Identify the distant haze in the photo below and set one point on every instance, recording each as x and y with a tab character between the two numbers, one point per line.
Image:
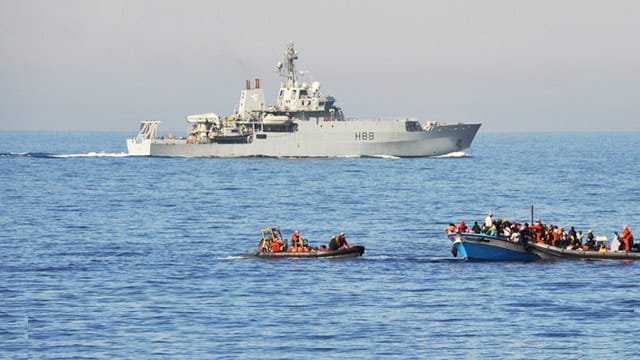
511	65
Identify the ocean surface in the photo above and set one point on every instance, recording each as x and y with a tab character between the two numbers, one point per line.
108	256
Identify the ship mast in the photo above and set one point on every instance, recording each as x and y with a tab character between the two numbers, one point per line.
289	56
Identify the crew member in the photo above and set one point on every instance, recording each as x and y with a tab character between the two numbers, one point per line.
591	241
295	240
276	244
627	237
333	244
342	241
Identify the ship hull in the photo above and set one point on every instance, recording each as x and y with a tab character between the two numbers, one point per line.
325	139
547	252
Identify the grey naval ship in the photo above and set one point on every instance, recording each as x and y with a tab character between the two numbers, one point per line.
304	122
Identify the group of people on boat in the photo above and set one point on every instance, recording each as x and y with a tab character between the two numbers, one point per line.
512	231
337	243
298	244
547	234
557	236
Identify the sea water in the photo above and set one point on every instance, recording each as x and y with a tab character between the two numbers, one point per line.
108	256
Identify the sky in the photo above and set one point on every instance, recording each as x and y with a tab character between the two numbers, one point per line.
514	66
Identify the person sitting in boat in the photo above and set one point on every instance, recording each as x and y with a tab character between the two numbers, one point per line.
451	228
591	240
514	234
342	241
276	244
338	242
493	231
333	244
572	236
462	227
537	231
515	237
579	238
296	240
525	232
574	239
558	239
616	243
476	228
488	221
627	238
506	229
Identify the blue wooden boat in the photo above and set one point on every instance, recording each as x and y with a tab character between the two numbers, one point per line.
472	246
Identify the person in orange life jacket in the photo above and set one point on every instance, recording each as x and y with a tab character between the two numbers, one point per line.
462	228
451	228
537	231
296	241
627	237
276	244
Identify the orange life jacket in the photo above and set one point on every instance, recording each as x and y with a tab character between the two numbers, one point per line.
275	246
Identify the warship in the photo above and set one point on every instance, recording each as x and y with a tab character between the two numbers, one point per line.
304	122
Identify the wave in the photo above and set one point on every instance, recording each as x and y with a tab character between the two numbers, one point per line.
456	154
63	156
383	156
91	154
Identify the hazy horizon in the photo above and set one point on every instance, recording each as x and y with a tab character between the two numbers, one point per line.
512	66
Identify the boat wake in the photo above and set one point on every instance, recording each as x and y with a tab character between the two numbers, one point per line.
59	156
383	156
237	257
92	154
456	154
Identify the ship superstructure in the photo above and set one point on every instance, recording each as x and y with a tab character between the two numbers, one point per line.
303	122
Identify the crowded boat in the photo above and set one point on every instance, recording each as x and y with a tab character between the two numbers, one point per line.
499	239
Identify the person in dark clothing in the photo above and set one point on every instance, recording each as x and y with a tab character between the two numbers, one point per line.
342	241
339	242
476	228
333	244
591	241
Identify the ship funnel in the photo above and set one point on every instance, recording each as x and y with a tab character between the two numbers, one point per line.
257	83
247	85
